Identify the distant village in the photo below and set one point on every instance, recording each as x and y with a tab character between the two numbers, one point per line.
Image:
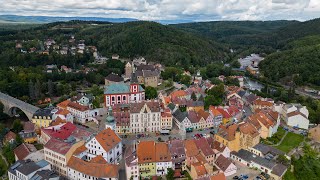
173	135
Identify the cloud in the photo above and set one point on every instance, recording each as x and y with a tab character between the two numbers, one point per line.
193	10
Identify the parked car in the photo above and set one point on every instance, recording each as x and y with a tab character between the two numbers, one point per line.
235	177
244	176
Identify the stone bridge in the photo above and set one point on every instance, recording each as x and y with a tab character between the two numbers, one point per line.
11	104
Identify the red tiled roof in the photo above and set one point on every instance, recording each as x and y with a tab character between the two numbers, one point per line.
58	146
204	146
99	170
10	136
63	104
78	106
191	148
200	169
63	112
98	159
28	127
80	149
223	163
146	152
24	150
108	139
219	176
179	93
162	152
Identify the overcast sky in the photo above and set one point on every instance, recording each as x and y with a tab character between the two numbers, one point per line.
194	10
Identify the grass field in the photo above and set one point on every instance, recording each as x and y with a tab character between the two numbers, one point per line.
291	141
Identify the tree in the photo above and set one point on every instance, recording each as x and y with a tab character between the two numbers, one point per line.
37	89
17	126
50	87
31	90
170	174
151	92
19	140
185	79
193	96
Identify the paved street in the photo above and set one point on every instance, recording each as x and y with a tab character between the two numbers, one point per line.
245	170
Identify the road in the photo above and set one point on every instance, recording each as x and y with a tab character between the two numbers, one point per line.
302	92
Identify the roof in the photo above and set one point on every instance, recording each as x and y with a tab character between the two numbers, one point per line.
10	136
248	156
219	176
62	132
218	146
193	117
98	159
171	106
146	152
223	163
63	104
26	167
250	98
179	93
162	152
114	78
57	121
63	112
191	148
108	139
265	149
228	132
279	169
214	111
153	106
200	169
28	127
119	88
77	106
44	175
24	150
192	103
248	128
259	102
44	112
99	170
58	146
204	146
80	150
176	148
295	113
150	73
203	114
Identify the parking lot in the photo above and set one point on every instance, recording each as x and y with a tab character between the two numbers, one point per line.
243	169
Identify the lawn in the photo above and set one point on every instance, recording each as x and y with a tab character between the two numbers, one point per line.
275	138
291	141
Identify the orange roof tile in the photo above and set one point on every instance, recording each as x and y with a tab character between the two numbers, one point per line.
146	152
179	93
247	128
80	150
63	104
98	159
10	136
294	113
162	152
99	170
77	106
57	121
63	112
203	114
191	148
108	139
214	111
228	132
200	169
219	176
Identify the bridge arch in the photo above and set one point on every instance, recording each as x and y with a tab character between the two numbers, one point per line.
10	104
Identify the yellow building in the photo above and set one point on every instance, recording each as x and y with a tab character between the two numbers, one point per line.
28	134
42	117
238	136
146	152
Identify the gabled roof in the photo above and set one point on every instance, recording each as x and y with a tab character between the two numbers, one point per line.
228	132
223	163
78	106
191	148
58	146
180	116
63	104
200	169
162	152
28	127
219	176
95	169
24	150
108	139
204	146
279	170
98	159
179	93
114	78
146	152
248	156
193	117
154	106
117	88
295	113
214	111
10	136
247	128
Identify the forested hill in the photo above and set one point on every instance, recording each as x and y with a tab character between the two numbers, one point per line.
156	42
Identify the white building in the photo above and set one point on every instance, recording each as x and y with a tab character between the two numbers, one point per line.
145	117
107	144
82	113
63	114
295	115
226	166
163	159
131	163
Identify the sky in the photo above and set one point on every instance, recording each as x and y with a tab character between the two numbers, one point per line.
191	10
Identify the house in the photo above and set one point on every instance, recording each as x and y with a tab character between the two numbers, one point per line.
259	104
94	169
266	121
42	117
115	57
10	138
63	104
181	120
253	161
238	136
263	150
166	120
65	69
82	113
28	151
107	144
150	112
148	75
45	175
28	133
219	148
226	166
84	100
121	114
217	116
112	78
66	131
63	114
146	153
51	68
163	159
121	93
178	154
195	105
205	149
181	94
131	163
26	169
297	119
58	153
